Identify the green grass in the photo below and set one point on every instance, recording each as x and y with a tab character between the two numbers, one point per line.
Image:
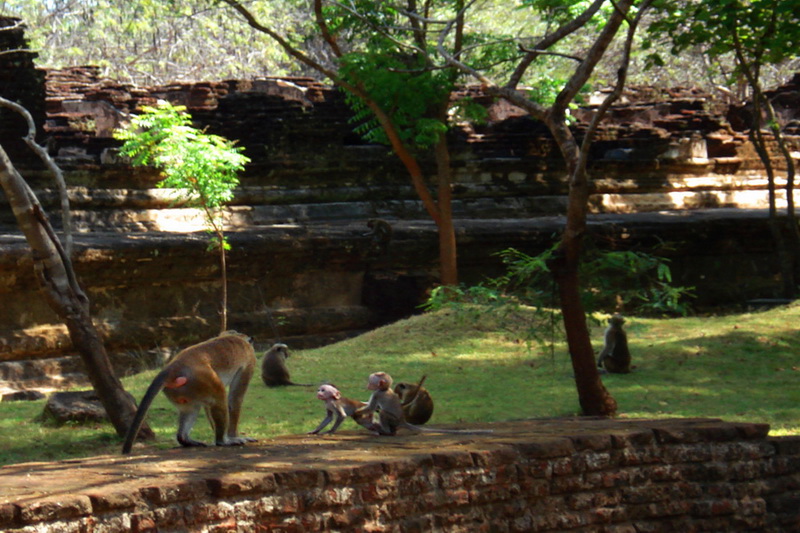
742	367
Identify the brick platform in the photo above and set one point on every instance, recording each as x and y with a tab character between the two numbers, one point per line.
580	474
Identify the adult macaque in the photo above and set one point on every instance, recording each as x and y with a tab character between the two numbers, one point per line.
196	378
416	401
615	356
340	407
273	368
390	409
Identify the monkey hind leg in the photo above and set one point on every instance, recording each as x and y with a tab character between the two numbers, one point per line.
186	421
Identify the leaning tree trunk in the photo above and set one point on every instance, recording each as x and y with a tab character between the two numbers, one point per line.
593	397
54	270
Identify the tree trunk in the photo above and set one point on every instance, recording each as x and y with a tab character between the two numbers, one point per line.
54	270
448	257
593	397
785	257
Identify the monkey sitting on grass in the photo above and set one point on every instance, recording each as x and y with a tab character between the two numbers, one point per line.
274	372
615	356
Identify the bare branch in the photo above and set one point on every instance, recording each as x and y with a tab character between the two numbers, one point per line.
326	32
356	89
380	29
30	140
488	85
593	56
16	51
537	53
552	38
291	50
622	74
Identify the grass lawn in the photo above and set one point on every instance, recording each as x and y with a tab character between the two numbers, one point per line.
742	367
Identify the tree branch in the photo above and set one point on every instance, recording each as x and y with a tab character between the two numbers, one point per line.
326	32
537	53
402	151
622	74
595	54
30	140
549	40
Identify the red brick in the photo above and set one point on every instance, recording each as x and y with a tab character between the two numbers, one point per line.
496	457
9	514
299	479
241	483
633	437
103	502
55	508
204	513
752	431
452	460
177	492
591	441
546	448
143	523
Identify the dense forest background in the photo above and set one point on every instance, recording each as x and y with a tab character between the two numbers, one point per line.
153	42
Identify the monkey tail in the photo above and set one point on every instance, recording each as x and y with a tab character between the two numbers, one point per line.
155	387
411	400
453	431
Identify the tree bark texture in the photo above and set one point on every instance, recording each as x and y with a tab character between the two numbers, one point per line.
54	271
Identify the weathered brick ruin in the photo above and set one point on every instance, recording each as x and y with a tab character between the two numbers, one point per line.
582	475
673	166
301	267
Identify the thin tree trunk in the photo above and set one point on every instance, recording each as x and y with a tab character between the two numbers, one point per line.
593	397
448	257
794	229
785	262
223	266
53	268
440	213
786	255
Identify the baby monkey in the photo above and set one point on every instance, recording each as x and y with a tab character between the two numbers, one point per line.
390	409
340	407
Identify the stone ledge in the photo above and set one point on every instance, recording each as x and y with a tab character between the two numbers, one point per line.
529	475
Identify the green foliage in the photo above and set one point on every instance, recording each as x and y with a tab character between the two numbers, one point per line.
767	31
637	282
202	166
558	11
158	41
401	86
741	367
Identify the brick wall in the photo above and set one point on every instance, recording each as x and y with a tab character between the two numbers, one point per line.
540	475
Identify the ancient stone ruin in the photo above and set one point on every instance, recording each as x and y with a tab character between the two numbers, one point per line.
672	166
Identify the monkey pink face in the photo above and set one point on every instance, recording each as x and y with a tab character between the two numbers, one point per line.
328	392
379	381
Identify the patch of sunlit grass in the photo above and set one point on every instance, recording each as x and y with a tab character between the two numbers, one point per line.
480	368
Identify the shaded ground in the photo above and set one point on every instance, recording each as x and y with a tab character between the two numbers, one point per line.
109	476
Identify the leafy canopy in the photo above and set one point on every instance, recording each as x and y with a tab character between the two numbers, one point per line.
766	31
202	166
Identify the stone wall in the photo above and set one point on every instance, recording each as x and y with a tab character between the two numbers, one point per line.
620	476
301	267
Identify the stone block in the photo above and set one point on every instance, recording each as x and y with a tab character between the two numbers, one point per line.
55	508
